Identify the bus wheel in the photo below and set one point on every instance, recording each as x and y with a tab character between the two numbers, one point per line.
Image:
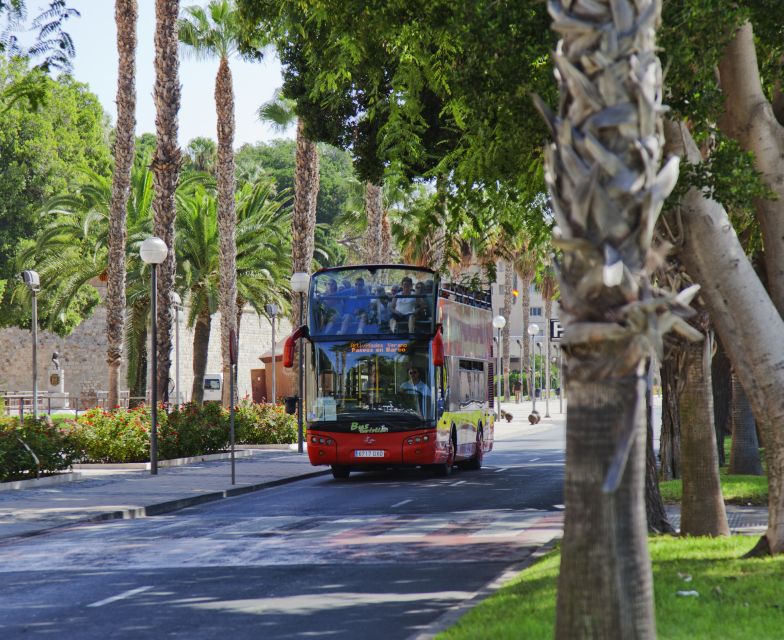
475	463
445	468
340	472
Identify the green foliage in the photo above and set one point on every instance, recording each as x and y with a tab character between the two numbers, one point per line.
49	444
116	436
264	424
194	429
736	489
738	599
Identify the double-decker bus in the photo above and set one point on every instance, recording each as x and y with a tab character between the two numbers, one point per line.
398	370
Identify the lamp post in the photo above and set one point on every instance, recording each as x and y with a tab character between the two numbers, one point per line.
154	251
544	383
177	304
33	282
533	329
272	311
299	283
499	322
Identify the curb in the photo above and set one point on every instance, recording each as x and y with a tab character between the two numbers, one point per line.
167	506
451	617
173	462
34	483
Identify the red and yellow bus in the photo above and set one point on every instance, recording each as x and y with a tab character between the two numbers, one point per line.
398	370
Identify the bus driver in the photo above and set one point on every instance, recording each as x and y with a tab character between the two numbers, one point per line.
415	386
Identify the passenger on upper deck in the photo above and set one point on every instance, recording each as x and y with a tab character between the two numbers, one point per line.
404	306
381	311
356	307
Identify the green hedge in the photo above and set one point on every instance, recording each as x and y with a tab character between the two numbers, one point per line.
51	446
264	424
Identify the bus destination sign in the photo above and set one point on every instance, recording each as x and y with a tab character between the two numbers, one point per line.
379	347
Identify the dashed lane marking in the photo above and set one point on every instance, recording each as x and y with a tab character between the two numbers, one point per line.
120	596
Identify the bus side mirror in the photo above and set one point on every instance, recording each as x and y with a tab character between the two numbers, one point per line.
288	346
438	349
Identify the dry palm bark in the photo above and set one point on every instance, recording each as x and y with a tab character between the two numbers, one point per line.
507	313
525	263
227	216
549	289
607	191
166	171
746	320
125	16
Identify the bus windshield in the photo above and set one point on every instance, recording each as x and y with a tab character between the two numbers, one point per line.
383	379
372	301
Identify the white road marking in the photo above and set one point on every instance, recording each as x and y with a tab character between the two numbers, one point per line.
120	596
401	503
454	484
534	459
501	469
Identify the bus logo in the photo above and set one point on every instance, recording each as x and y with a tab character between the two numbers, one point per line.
366	428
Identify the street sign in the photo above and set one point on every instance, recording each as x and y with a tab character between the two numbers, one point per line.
556	330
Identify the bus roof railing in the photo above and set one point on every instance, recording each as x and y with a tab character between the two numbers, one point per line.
465	295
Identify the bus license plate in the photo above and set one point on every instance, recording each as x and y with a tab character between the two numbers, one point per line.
369	453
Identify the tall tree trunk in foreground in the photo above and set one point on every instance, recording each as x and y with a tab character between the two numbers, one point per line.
227	217
201	344
606	192
125	15
702	505
748	323
374	210
387	246
166	170
744	454
137	352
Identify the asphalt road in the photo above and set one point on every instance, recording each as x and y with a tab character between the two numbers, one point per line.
381	555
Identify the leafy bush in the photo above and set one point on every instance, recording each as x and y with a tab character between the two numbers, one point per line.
113	436
195	429
263	424
51	446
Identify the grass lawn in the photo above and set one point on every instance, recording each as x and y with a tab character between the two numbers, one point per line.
739	599
743	490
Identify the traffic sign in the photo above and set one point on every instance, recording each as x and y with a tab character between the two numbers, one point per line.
556	330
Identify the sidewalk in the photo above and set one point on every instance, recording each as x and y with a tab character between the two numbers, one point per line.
123	494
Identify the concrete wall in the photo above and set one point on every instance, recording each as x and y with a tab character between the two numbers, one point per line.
83	354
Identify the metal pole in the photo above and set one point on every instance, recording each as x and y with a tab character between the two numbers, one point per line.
301	377
154	381
561	378
274	393
35	355
232	369
177	355
533	372
498	373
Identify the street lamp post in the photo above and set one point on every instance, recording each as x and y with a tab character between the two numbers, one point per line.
533	329
33	282
544	382
299	284
153	251
272	311
177	304
499	322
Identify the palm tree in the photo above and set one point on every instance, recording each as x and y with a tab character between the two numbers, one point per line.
374	233
166	168
548	286
215	32
280	111
125	16
607	191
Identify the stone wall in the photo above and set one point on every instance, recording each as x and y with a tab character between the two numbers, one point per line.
83	354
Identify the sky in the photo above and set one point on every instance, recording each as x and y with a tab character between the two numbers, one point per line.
96	64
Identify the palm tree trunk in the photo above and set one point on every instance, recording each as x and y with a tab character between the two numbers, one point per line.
525	287
702	505
374	210
508	279
227	216
303	220
655	514
125	15
721	375
137	353
744	454
387	253
201	345
166	169
670	442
